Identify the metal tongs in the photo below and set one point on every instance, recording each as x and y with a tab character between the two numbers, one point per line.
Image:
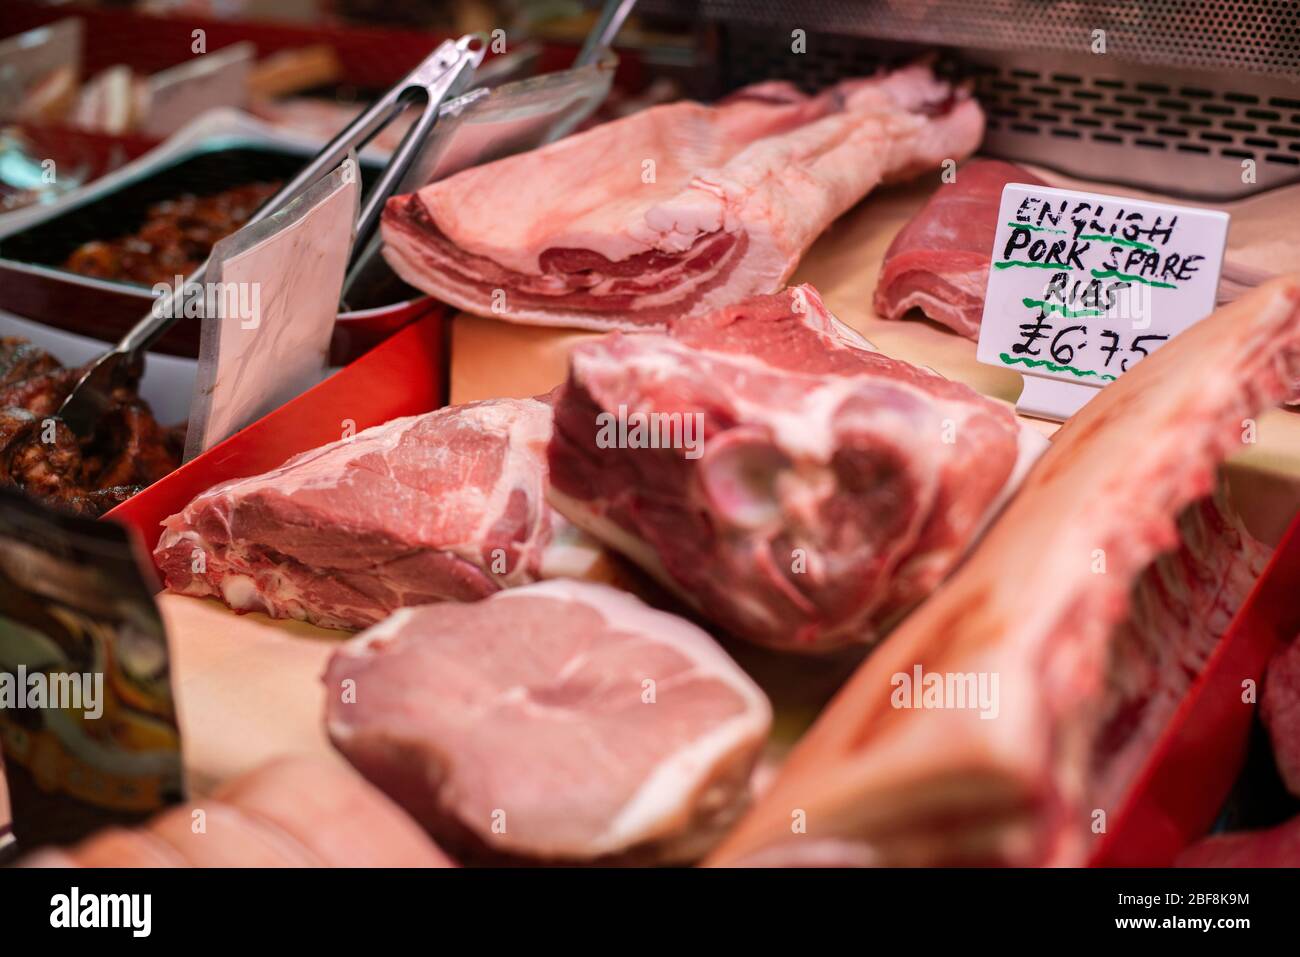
443	74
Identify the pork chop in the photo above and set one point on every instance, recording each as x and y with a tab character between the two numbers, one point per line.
562	722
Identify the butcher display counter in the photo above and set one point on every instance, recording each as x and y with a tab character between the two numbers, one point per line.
686	521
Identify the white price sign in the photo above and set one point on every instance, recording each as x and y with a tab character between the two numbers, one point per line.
1082	286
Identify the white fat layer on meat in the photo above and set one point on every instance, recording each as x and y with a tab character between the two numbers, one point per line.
778	190
658	804
407	257
1030	445
803	430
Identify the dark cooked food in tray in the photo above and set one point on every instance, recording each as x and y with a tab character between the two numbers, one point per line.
176	238
40	455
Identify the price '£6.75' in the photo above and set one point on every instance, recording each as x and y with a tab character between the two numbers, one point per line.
1082	287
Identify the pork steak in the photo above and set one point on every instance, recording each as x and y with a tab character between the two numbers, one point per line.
675	210
446	505
806	490
561	722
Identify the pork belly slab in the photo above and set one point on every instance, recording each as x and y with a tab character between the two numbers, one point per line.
561	722
819	489
449	505
1042	603
676	210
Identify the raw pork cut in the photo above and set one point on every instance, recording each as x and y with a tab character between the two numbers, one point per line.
1276	847
292	812
830	487
675	210
939	261
1040	604
446	505
1280	708
559	722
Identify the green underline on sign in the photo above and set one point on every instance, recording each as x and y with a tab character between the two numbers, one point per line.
1116	274
1115	240
1037	229
1016	262
1063	309
1053	367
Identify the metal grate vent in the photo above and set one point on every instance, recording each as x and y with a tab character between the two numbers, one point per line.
1258	36
1185	132
1213	136
1156	116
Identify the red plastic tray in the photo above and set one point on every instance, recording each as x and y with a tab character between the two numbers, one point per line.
405	375
1181	789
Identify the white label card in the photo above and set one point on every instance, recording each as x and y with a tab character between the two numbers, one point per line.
1082	286
269	303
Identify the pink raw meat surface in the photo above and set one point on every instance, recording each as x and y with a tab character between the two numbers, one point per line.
1280	709
446	505
676	210
833	488
562	722
939	261
1093	636
1276	847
